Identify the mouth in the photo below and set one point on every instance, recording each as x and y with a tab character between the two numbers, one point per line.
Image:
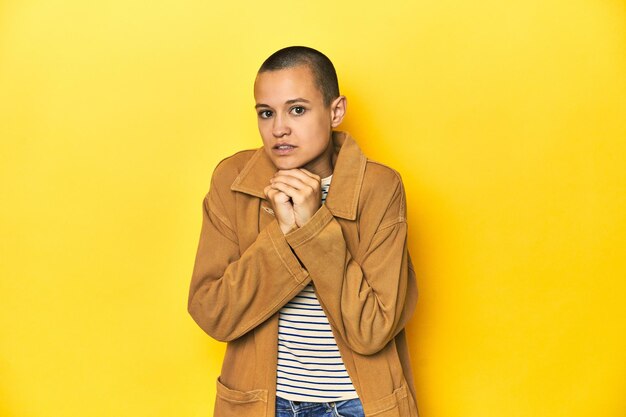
283	148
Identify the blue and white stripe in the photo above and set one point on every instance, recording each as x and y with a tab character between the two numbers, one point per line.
310	367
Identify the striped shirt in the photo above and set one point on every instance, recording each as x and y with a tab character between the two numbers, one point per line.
310	367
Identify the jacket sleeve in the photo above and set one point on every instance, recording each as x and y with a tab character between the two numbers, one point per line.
370	299
231	293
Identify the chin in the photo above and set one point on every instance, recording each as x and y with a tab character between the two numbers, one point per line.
286	165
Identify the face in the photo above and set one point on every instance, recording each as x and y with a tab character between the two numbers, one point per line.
294	123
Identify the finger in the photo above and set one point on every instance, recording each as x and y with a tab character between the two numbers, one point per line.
295	174
286	189
298	197
301	173
275	196
269	192
296	189
292	181
310	174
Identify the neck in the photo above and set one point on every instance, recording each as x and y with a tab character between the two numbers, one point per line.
324	165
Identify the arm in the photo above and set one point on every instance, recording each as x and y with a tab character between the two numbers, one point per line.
368	300
230	293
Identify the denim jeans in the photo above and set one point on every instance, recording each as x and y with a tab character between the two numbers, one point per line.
349	408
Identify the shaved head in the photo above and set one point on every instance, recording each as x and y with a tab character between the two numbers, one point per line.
322	68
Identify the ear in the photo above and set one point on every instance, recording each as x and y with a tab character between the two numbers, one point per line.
338	110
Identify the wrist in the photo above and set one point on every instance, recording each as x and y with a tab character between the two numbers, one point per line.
286	228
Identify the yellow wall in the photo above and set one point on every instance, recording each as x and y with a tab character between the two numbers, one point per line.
507	121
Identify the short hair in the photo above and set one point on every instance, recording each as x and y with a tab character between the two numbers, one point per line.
322	68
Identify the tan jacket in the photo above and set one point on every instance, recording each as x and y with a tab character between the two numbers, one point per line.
354	249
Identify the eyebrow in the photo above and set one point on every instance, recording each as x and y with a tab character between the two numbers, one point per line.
292	101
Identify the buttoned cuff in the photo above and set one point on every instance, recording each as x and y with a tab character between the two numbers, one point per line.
285	253
310	229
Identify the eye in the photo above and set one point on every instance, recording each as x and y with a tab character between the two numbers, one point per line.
265	114
298	110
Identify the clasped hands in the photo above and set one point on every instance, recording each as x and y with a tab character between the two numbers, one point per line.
295	196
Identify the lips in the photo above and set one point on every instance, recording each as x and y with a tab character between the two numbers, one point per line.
283	148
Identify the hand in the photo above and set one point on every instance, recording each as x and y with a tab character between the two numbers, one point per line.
283	208
304	191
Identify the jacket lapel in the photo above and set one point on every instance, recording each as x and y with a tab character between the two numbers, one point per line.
343	195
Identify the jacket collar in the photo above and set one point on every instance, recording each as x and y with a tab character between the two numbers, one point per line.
343	195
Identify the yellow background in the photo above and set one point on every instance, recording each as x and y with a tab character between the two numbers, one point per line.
506	119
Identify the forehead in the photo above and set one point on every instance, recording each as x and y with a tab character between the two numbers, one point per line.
276	87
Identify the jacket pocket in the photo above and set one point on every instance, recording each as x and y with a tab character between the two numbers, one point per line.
233	403
393	405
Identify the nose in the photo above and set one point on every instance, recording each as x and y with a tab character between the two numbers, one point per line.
280	127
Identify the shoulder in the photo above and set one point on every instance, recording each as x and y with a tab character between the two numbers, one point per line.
382	193
378	174
219	198
381	180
